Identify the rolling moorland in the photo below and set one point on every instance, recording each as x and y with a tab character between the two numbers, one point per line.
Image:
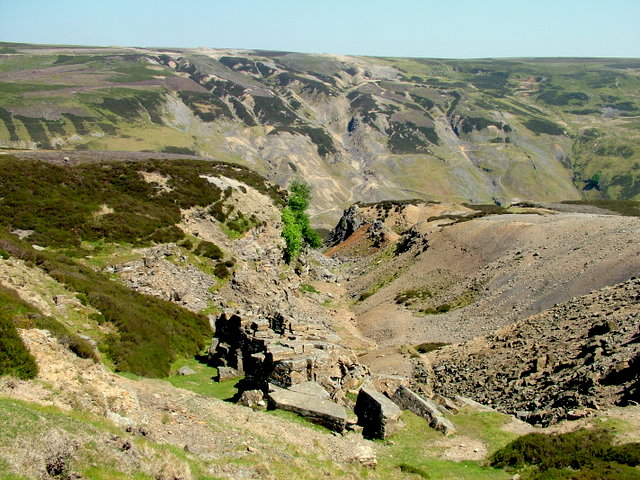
157	323
356	128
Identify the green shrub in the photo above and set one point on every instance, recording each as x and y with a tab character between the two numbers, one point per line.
187	244
297	229
15	359
170	234
541	125
583	454
209	250
221	270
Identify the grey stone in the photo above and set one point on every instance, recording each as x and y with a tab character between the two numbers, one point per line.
310	388
378	415
365	455
424	408
186	371
227	373
252	398
321	411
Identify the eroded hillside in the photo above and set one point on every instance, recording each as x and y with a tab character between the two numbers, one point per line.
356	128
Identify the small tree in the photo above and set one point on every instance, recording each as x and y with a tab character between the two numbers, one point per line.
297	229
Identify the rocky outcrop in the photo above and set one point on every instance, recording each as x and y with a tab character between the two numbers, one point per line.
347	225
275	349
409	400
378	415
563	363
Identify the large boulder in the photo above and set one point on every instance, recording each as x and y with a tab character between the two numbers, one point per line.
318	410
409	400
378	416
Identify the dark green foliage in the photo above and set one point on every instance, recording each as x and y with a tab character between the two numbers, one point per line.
78	123
15	359
170	234
424	102
429	347
554	97
134	107
616	150
221	270
630	185
151	333
406	468
209	250
479	123
241	224
409	296
583	454
410	138
487	208
367	108
7	118
273	111
621	207
186	244
242	112
297	229
496	81
75	59
205	105
541	125
593	182
308	85
178	150
35	129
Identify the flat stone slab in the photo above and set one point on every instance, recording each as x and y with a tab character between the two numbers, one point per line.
409	400
310	388
321	411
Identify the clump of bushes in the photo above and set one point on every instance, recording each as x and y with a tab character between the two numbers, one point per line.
583	454
209	250
15	359
297	229
542	125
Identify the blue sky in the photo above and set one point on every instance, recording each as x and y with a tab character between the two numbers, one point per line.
427	28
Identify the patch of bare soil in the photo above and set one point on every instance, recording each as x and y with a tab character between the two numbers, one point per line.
515	265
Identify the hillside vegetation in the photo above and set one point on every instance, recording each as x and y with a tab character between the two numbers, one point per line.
79	212
356	128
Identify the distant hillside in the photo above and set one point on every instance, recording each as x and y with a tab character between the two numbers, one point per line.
356	128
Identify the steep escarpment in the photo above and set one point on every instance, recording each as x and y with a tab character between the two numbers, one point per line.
356	128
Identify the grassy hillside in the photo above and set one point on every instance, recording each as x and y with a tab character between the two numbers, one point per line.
71	214
358	128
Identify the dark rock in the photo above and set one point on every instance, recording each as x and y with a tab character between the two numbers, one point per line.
378	415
